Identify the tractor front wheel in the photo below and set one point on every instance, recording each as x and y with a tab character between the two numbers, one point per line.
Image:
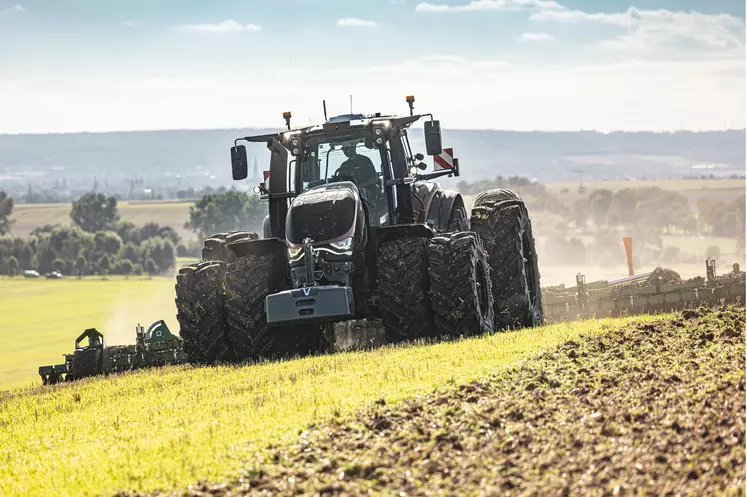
403	289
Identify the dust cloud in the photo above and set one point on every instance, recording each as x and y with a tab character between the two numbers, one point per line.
149	303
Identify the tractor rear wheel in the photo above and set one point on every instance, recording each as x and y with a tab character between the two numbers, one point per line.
403	289
502	221
216	247
458	220
249	280
86	362
200	305
460	290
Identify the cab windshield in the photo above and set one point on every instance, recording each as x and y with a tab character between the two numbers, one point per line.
342	160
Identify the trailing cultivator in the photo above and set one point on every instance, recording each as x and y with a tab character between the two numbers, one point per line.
661	290
156	346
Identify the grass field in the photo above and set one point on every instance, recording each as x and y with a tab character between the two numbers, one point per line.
174	214
168	428
41	318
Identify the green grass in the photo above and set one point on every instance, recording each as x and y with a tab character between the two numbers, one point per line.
174	214
41	318
167	428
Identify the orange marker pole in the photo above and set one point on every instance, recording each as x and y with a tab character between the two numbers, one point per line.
628	241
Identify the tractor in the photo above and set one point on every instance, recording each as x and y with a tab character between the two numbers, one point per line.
356	230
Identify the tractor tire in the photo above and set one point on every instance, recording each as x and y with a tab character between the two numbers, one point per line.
458	220
185	315
249	280
216	247
503	223
86	362
460	285
403	289
203	314
494	196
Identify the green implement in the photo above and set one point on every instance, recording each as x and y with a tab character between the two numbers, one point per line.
155	347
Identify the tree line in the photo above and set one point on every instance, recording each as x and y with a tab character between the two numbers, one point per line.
99	242
650	208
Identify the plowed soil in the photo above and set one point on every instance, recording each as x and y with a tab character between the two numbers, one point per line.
651	409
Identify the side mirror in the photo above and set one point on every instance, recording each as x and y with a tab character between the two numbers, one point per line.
433	145
239	164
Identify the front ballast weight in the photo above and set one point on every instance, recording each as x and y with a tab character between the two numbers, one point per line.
311	302
156	346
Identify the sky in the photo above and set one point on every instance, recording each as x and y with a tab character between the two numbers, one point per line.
112	65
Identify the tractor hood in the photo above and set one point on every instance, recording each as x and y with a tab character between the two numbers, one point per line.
325	214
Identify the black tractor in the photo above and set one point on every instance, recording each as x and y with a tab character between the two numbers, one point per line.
357	231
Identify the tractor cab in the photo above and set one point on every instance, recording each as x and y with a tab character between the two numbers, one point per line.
371	151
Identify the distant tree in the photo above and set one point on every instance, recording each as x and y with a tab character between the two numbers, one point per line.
59	265
104	264
12	266
181	250
47	228
600	202
128	232
125	267
6	210
580	213
107	242
95	212
130	252
226	211
168	255
80	265
150	266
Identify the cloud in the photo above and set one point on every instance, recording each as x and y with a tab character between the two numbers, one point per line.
130	24
489	5
657	28
228	26
353	22
15	9
535	37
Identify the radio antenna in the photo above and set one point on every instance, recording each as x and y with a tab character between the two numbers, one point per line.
324	104
351	104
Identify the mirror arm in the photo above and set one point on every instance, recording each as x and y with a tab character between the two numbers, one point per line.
434	175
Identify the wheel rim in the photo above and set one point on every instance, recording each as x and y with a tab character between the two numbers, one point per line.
529	270
482	291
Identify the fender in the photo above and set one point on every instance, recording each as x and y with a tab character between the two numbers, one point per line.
261	246
384	233
444	201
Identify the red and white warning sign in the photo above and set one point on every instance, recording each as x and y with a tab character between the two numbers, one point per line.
266	174
444	160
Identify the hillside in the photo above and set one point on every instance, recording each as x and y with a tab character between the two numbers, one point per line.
518	411
163	162
27	217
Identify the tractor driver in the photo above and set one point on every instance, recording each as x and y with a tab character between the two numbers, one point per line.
362	170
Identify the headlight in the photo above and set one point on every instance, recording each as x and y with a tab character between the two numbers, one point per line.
344	244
